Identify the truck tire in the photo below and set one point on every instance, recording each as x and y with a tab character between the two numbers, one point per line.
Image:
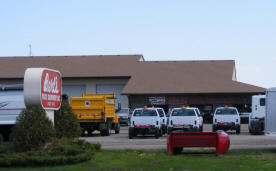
1	137
108	128
127	123
11	139
117	128
130	133
238	130
214	129
102	132
157	132
161	132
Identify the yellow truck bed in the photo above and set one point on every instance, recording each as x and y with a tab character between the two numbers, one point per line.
95	108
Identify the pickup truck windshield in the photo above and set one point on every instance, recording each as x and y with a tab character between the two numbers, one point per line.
145	113
161	113
183	112
226	112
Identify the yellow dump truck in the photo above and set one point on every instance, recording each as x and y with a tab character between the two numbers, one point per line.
96	112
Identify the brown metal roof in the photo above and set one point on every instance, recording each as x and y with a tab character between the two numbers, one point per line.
70	66
146	77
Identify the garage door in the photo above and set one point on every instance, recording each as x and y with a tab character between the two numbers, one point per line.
113	88
73	90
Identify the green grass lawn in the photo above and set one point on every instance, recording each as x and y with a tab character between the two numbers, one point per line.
161	160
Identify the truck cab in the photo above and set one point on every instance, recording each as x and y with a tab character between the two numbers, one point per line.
226	118
145	121
184	119
257	116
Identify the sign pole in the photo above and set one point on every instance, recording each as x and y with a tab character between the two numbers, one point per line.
50	115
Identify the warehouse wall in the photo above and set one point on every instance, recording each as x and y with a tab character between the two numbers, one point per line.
89	86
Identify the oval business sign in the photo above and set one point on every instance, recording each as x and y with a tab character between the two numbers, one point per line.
42	86
50	89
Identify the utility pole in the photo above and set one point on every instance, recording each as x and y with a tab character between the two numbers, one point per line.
30	50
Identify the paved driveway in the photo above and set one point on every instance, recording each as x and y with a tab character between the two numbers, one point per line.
121	141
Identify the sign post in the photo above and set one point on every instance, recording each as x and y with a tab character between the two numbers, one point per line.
42	86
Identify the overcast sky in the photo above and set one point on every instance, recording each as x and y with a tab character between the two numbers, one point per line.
241	30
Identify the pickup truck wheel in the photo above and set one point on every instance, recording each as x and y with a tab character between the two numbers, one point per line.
157	132
214	129
130	133
238	130
11	139
1	137
161	132
117	128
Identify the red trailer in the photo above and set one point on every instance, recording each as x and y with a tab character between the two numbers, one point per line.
177	140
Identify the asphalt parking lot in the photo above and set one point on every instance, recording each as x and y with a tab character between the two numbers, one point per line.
121	141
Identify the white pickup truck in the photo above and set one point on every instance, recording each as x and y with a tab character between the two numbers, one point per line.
145	121
185	119
226	118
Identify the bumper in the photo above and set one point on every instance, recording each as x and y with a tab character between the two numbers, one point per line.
123	120
143	130
182	128
226	127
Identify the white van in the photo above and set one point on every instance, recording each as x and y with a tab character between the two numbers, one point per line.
185	119
226	118
145	121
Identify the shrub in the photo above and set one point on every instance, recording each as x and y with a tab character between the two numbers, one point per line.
66	123
33	129
65	151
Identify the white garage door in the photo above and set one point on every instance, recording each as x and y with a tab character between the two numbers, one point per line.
113	88
73	90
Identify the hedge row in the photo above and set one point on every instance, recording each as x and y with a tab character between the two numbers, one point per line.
64	152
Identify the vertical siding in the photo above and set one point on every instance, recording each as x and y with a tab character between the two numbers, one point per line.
270	119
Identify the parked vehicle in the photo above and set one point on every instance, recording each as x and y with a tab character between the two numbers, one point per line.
124	116
226	118
200	118
163	119
145	121
185	119
96	112
270	117
257	116
11	104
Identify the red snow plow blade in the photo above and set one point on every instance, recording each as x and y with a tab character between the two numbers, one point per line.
177	140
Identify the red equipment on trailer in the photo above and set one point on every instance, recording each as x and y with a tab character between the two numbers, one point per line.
177	140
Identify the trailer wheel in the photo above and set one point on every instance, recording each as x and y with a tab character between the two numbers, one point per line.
157	132
117	128
130	133
177	150
1	137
